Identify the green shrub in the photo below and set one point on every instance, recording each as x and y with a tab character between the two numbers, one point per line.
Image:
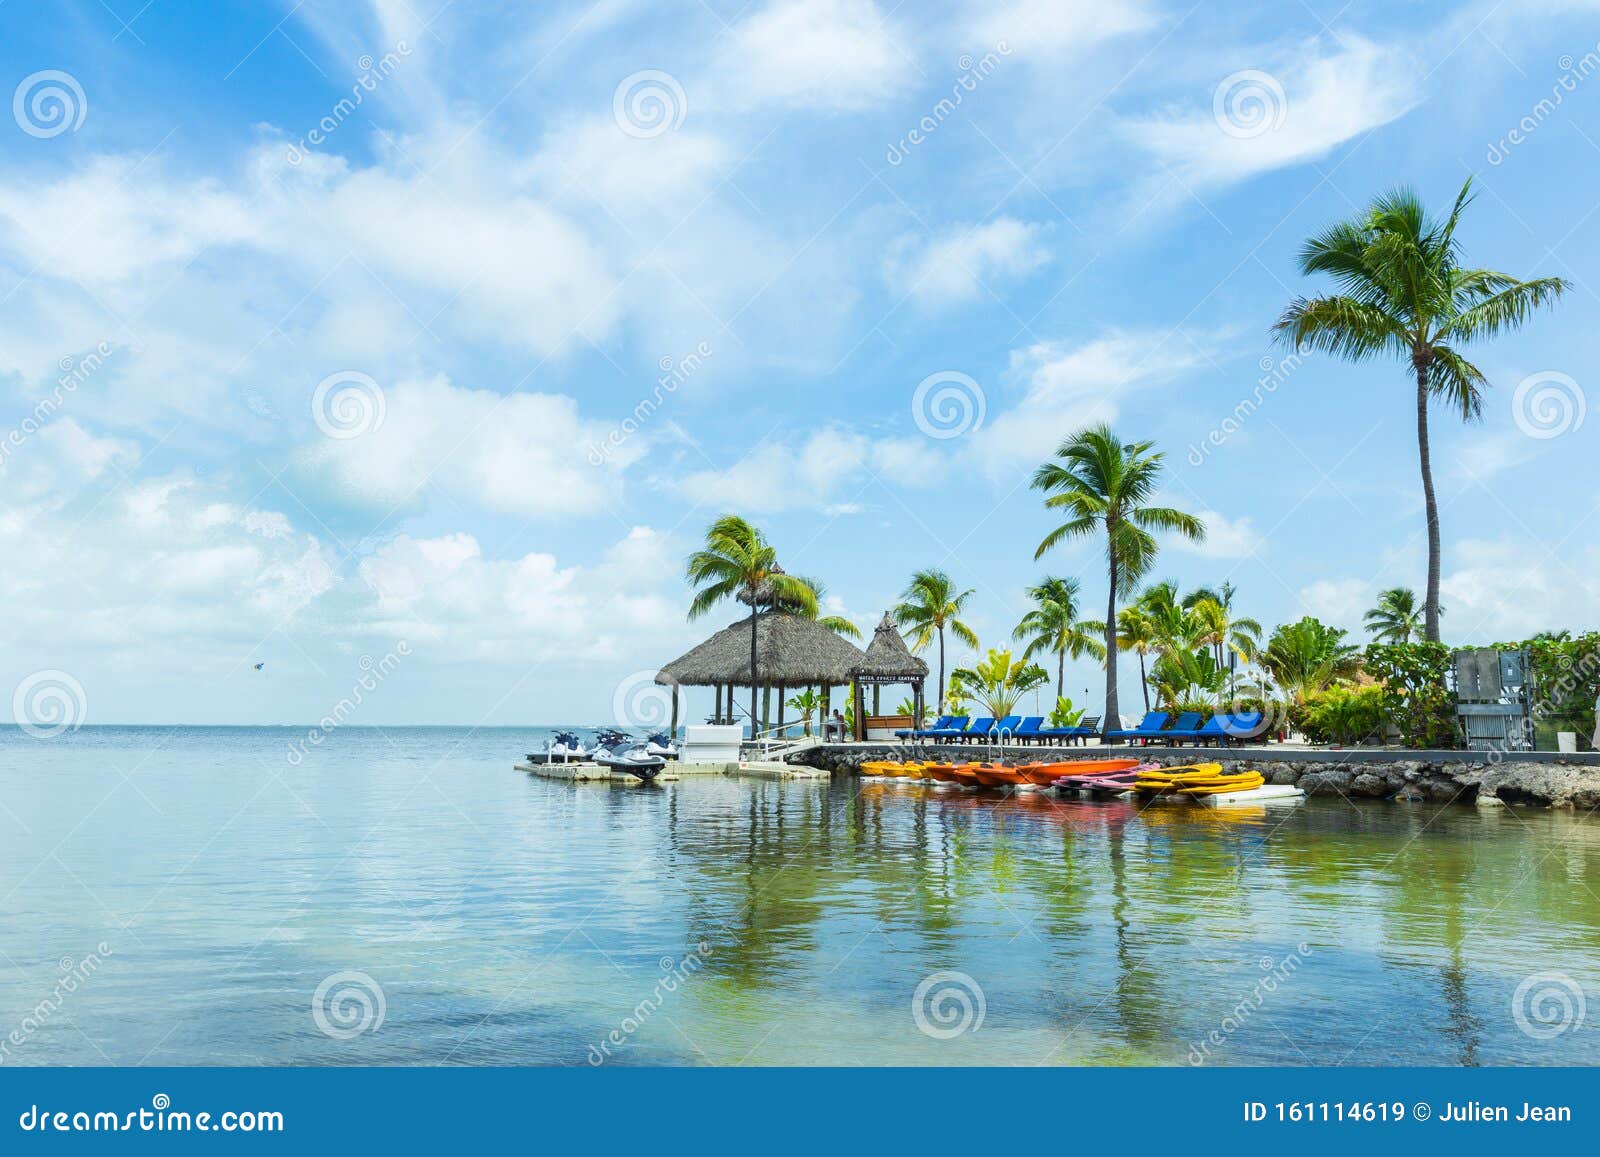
1566	678
1417	698
1341	715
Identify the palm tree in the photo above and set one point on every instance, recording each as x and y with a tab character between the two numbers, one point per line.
738	562
1403	292
1103	483
1053	627
1228	637
1395	619
1308	656
1136	632
929	605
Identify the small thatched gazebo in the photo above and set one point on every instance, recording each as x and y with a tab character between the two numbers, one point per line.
791	651
888	661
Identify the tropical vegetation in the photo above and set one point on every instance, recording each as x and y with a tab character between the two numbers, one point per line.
999	682
1052	627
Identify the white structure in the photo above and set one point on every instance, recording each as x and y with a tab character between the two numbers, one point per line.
711	743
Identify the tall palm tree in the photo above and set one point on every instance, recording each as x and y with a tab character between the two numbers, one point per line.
929	605
1136	632
1052	626
1105	484
1403	292
1395	619
738	562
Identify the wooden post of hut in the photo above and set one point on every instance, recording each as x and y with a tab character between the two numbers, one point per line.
673	734
861	710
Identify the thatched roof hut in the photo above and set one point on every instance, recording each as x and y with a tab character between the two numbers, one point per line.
888	659
791	651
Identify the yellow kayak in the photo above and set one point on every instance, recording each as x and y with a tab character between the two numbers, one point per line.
893	768
1241	783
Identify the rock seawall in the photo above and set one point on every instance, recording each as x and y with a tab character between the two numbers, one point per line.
1385	775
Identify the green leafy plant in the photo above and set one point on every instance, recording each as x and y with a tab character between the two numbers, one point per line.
1064	714
1308	656
1341	715
1052	626
807	703
1000	682
1566	681
909	708
1416	691
928	606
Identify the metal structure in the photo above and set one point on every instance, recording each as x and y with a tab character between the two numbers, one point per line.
1494	699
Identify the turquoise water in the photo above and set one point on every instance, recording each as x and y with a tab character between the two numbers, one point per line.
179	896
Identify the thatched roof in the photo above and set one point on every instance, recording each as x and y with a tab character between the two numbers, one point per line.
888	659
791	651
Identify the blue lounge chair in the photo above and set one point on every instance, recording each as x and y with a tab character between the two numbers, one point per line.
1028	730
1149	726
1213	732
979	730
1243	726
957	726
1223	728
1005	729
942	722
1077	732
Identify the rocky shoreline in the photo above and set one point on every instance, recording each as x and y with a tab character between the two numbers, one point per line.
1454	778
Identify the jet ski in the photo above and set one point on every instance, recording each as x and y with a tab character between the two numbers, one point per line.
564	748
609	739
659	744
635	760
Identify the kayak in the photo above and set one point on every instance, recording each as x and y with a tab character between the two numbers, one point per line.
995	775
1164	781
951	773
1231	784
894	769
1267	793
1051	774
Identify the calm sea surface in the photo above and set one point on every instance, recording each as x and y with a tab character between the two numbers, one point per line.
189	896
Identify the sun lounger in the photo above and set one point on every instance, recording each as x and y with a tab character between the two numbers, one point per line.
1149	726
955	725
1028	730
939	724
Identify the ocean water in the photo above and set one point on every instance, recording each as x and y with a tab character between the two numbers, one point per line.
203	896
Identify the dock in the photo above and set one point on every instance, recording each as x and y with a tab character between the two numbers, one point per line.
580	772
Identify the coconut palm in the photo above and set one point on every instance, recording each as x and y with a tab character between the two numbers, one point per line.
1403	292
1136	632
1052	627
1395	619
1308	656
1105	484
1227	636
930	604
1000	682
1175	628
738	562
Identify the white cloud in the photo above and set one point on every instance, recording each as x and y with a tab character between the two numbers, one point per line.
1225	537
828	54
1051	30
1509	588
805	474
1339	602
1313	99
527	454
1067	386
957	264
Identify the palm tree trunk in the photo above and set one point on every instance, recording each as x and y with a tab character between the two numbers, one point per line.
1144	681
1431	604
1112	719
1061	674
941	670
753	679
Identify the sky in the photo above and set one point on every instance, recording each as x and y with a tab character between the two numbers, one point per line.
425	338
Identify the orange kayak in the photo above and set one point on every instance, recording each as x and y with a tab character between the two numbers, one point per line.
951	773
994	775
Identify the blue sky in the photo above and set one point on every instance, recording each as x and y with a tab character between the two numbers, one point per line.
356	302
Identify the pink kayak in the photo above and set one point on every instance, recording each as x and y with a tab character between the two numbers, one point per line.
1104	781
